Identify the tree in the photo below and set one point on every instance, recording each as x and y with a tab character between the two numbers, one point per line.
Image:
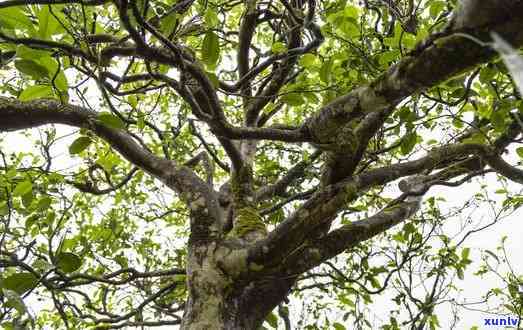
264	134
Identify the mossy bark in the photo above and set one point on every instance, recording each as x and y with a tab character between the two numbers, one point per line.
219	298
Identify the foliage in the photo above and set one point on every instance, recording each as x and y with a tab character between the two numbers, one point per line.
279	130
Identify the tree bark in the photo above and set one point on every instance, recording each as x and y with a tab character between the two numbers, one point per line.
219	298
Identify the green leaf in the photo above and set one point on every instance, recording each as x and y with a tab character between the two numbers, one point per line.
465	253
351	11
23	188
461	274
4	208
36	92
338	326
20	282
133	101
47	23
31	68
214	79
278	47
43	22
272	320
68	262
14	300
179	278
486	75
13	18
374	282
436	7
140	122
519	151
51	65
293	99
211	49
79	145
497	118
41	265
349	27
476	138
308	61
110	120
408	143
326	71
168	23
27	53
27	199
211	18
434	322
389	56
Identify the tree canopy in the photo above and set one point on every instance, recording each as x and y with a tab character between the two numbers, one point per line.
217	164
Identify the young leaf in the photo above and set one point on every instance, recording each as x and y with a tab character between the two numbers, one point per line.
31	68
308	60
272	320
35	92
110	120
211	49
20	282
79	145
278	47
23	188
68	262
408	142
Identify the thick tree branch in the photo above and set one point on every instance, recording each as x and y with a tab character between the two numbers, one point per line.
202	201
246	33
348	236
326	203
435	62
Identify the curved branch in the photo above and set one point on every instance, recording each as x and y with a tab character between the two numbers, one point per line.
348	236
436	62
90	188
326	203
17	115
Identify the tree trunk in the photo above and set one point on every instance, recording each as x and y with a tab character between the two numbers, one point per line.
218	301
